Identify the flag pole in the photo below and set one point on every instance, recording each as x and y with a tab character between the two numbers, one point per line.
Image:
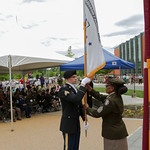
85	66
146	117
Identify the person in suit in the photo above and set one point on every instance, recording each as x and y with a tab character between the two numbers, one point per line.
24	105
72	109
110	109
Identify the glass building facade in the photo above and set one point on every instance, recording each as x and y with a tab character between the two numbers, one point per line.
132	51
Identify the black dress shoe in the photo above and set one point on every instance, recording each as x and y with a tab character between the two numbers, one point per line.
28	116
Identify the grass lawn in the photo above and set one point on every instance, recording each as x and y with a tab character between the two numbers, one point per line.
139	93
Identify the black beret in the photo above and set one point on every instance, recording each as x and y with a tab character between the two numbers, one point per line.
69	73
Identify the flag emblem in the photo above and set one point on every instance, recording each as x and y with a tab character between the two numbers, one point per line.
94	57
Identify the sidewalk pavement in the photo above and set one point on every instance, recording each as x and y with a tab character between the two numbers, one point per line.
128	100
135	139
42	132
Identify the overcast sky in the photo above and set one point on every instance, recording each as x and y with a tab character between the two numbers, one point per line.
58	24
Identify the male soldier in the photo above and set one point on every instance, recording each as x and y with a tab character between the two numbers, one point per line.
72	109
111	108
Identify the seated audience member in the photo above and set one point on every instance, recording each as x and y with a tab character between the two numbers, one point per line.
31	99
57	88
45	102
23	92
40	98
3	109
23	105
37	83
16	93
54	94
50	100
16	110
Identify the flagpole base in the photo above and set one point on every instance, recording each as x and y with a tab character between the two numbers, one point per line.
133	95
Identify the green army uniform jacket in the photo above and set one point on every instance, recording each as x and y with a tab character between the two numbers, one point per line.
110	110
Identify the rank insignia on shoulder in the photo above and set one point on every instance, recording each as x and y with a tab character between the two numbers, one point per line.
106	102
66	93
100	109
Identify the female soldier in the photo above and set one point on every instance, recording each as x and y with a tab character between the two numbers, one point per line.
111	108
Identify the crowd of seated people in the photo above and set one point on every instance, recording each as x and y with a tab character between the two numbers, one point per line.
46	100
28	101
5	109
16	110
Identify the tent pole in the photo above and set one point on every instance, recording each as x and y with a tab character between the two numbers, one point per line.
120	71
11	107
134	94
134	81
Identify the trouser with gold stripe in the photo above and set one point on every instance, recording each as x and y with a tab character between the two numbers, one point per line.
71	141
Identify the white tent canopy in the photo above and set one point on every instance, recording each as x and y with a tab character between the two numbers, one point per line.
26	53
27	60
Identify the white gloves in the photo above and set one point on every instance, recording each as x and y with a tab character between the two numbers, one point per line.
85	80
86	125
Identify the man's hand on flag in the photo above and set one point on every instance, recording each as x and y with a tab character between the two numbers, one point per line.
85	81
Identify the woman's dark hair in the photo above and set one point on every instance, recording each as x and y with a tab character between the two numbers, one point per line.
120	89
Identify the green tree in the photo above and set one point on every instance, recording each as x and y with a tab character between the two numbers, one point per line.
54	71
69	52
105	71
4	77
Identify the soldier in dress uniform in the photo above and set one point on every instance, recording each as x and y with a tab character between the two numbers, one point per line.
72	109
110	109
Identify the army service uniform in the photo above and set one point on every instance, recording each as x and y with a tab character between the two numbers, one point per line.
113	127
72	109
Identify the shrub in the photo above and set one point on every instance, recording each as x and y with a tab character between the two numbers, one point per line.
133	111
